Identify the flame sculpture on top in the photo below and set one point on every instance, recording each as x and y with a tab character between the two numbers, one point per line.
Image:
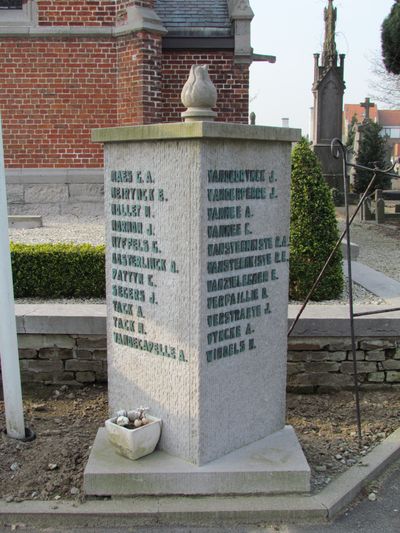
199	95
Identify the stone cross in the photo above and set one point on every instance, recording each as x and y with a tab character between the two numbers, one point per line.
367	105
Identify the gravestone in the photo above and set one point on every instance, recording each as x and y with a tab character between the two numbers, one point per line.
197	218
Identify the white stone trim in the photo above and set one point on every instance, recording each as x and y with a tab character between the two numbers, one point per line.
24	23
26	176
241	15
141	19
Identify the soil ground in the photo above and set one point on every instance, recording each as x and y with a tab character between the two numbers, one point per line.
66	421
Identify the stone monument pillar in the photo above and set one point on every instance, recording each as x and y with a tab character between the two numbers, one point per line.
197	223
328	89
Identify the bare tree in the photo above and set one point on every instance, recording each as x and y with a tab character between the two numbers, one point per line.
384	86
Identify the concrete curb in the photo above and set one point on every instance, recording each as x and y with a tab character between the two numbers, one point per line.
183	510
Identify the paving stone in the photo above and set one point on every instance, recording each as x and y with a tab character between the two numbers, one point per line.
36	365
306	344
92	343
376	377
83	366
336	345
325	366
337	356
47	193
362	367
28	353
375	355
100	355
360	356
86	192
85	377
393	377
55	353
45	341
372	344
84	354
294	368
391	364
15	194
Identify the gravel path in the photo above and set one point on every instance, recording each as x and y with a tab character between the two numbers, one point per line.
63	230
379	246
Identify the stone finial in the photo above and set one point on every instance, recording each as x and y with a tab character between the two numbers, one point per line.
199	95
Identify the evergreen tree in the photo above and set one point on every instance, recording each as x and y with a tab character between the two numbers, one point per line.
313	229
391	40
372	150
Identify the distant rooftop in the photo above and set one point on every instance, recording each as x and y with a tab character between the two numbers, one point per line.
195	17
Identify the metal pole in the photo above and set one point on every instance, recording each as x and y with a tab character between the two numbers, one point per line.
351	304
8	332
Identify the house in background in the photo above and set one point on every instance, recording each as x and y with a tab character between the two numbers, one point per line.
388	119
69	66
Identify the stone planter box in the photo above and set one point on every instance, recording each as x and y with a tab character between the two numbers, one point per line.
134	443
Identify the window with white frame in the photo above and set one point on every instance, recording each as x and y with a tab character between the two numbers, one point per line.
17	13
10	4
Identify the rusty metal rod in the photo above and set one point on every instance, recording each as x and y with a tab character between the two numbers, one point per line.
380	312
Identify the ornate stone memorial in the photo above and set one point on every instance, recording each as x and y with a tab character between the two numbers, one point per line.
197	222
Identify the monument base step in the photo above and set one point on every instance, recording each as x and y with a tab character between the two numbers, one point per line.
273	465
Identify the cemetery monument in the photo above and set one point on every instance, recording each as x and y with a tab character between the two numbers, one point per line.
328	89
197	222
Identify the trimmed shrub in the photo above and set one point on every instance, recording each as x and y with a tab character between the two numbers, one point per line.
390	37
313	229
58	270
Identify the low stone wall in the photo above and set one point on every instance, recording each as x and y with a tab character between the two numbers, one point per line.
53	192
66	344
314	364
63	359
325	364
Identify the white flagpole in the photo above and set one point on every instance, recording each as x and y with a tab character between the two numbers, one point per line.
8	331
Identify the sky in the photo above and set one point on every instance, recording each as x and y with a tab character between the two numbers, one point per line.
293	30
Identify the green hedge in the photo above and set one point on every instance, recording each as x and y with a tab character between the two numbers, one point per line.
58	270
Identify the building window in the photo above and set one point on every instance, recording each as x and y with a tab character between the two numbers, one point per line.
10	4
17	13
392	133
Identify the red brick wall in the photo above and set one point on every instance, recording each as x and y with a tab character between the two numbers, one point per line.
52	93
76	12
85	12
139	85
231	81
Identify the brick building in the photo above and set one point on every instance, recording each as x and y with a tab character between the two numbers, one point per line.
69	66
388	119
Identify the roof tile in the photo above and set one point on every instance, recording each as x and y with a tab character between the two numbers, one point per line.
192	14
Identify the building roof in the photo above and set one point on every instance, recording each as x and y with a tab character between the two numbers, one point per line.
195	17
389	117
384	117
355	109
